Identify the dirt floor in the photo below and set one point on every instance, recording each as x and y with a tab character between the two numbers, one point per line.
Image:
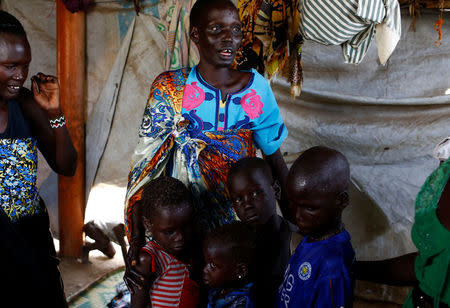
78	276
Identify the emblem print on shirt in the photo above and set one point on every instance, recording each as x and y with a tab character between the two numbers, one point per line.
304	271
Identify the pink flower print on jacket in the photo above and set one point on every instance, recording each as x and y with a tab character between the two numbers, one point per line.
252	105
193	96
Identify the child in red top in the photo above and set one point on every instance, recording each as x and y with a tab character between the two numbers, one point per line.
167	214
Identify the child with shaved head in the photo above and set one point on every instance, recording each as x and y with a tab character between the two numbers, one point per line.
320	273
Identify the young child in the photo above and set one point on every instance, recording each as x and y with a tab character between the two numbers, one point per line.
253	193
320	273
167	212
228	252
103	233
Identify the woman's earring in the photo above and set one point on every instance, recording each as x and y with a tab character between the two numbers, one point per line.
239	276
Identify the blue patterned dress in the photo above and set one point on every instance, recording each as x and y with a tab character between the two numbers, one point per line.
18	168
29	259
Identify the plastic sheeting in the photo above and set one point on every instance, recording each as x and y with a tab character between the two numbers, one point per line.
385	119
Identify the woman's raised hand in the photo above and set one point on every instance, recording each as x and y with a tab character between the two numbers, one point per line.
46	92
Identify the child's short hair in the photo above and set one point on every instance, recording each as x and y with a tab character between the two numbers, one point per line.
164	192
238	237
323	168
198	9
10	24
251	163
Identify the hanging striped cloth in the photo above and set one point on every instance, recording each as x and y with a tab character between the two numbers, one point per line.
350	23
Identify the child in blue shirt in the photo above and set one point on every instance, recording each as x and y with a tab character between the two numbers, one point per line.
228	252
320	273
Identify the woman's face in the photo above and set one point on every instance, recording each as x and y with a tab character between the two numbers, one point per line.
15	57
219	35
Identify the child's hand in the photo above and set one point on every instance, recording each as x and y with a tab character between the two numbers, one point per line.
132	278
46	92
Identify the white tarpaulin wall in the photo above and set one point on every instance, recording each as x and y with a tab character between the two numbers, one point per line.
385	119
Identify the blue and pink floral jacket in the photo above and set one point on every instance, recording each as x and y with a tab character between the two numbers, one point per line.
254	107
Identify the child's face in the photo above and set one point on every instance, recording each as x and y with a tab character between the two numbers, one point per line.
172	228
219	36
253	197
313	211
219	270
15	56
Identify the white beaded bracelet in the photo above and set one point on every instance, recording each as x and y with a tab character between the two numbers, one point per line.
58	122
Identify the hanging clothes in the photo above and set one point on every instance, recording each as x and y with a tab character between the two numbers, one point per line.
269	37
350	23
173	22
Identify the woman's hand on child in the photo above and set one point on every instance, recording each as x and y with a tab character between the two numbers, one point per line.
132	278
46	93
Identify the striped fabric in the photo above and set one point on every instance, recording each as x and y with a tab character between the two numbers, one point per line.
167	288
350	23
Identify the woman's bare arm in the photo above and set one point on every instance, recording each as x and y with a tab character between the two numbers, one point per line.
443	210
280	172
40	106
397	271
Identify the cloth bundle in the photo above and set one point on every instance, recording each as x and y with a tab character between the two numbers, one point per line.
442	150
352	24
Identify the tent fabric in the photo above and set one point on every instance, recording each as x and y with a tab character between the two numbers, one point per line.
385	119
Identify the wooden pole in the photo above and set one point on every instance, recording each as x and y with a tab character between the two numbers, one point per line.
71	74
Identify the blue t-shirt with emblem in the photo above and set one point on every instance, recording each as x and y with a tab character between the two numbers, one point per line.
254	107
319	274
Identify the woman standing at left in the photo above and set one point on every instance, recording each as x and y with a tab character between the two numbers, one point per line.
29	120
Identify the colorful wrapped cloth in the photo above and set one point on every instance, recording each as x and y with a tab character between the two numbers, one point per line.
166	146
432	265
